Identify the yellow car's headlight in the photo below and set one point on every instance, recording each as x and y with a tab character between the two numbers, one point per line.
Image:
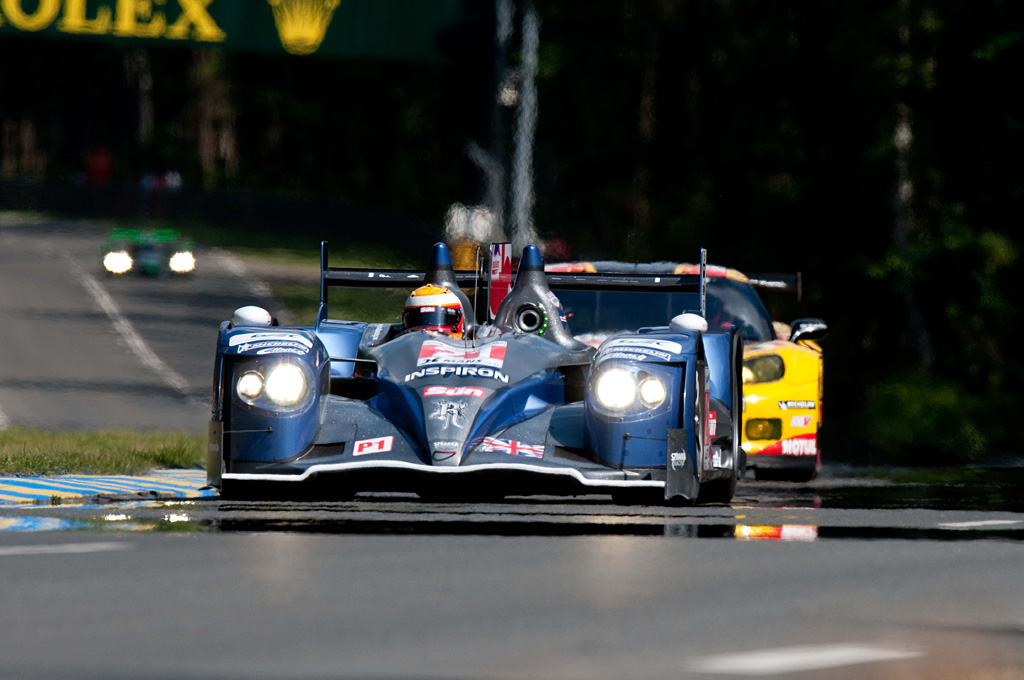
768	368
763	428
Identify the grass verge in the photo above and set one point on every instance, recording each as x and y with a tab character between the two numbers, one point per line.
36	452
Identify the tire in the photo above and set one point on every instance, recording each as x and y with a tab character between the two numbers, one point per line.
718	491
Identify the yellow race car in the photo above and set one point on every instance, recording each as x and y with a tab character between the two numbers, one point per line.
782	363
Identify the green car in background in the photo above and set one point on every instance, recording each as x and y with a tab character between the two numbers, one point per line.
149	252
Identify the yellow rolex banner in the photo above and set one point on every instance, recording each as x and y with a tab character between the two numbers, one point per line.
389	29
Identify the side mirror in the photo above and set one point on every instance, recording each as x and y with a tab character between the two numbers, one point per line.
808	329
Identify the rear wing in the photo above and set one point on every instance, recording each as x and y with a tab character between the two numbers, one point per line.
636	281
477	280
791	283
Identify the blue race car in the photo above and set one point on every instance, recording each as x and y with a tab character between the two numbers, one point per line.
507	403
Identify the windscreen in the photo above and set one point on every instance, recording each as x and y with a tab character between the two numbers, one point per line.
734	303
594	315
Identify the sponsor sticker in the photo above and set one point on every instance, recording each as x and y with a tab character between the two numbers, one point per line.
716	456
712	423
677	459
654	346
628	356
474	371
512	447
446	446
435	352
786	405
282	350
442	391
799	447
800	421
377	445
276	338
271	344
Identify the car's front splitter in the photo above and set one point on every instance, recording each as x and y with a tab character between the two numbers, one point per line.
510	478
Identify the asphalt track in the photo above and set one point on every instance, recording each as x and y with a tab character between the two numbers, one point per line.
781	584
842	578
85	351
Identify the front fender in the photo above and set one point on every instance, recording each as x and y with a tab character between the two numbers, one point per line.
259	429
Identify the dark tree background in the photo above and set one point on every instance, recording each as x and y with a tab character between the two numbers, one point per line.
874	146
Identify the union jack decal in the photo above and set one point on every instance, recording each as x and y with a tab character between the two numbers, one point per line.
512	447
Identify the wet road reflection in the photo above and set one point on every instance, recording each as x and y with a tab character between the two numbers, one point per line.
831	508
973	488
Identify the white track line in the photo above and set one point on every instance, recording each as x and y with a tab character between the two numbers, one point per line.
231	263
983	523
65	549
5	422
127	331
797	659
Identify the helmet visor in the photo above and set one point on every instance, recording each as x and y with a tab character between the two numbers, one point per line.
432	316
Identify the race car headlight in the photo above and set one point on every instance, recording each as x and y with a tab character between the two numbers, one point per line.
183	262
286	385
279	386
652	391
764	369
249	386
117	262
615	389
628	390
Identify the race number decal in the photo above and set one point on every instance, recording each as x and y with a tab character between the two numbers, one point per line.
367	446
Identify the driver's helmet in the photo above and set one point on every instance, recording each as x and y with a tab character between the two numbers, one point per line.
433	308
